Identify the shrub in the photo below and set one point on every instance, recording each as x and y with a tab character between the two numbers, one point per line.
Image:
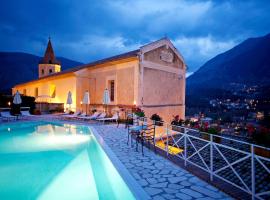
158	120
139	112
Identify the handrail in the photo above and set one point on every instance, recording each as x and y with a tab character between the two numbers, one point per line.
210	145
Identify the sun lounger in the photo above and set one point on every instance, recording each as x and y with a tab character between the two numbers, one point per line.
25	113
113	118
7	115
94	116
72	116
101	116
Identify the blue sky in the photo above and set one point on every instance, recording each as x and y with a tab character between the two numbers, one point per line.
88	30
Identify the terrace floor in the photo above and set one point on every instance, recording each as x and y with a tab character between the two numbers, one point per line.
159	177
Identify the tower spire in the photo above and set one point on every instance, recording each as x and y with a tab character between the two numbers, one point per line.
49	57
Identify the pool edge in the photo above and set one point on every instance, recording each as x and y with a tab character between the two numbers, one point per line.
133	185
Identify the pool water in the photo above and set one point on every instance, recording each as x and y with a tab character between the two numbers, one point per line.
48	160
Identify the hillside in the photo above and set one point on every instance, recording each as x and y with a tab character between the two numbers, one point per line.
19	67
246	64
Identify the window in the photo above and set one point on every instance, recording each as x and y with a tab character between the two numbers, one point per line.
53	91
50	71
36	92
24	92
111	88
42	71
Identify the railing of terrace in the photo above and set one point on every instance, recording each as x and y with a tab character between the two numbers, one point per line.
235	162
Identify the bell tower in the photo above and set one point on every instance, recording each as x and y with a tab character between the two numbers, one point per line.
48	64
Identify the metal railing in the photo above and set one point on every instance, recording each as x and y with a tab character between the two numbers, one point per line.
238	163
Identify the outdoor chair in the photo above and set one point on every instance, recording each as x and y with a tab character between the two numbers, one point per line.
115	118
147	135
25	113
101	116
72	116
91	117
135	129
7	115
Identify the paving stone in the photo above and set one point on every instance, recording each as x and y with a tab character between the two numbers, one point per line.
159	185
175	171
164	171
158	197
157	176
147	175
169	190
168	196
161	179
143	182
155	171
168	175
152	191
206	191
176	179
175	186
152	180
192	193
210	187
183	196
185	183
206	198
136	175
197	181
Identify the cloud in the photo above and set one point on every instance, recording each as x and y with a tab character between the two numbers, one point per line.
94	47
197	50
94	29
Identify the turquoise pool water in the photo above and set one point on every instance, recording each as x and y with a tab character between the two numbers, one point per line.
47	160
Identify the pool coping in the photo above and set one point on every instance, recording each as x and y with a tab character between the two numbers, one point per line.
133	185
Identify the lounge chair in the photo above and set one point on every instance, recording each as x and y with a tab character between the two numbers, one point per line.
94	116
7	115
101	116
113	118
25	113
76	114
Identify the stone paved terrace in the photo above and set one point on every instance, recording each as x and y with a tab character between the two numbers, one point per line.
159	177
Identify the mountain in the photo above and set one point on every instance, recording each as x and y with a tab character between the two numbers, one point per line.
17	67
246	64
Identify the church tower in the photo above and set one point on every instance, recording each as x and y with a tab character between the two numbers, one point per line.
48	65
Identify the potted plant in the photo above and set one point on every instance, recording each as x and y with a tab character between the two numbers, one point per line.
176	123
157	119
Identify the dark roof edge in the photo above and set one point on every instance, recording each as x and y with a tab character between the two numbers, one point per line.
133	53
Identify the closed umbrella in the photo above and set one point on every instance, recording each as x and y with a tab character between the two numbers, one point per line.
106	98
17	98
86	99
69	99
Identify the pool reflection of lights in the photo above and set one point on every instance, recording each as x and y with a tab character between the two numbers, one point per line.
9	129
38	143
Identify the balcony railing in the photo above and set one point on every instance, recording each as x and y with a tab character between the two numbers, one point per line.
238	163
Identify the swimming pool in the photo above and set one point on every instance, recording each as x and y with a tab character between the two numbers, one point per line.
53	160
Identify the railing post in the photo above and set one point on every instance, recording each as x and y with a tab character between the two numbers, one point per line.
167	140
253	183
185	143
211	157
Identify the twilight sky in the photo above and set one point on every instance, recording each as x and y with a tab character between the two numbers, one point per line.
87	30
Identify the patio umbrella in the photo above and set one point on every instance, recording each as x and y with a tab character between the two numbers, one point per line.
17	98
106	98
69	99
86	99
